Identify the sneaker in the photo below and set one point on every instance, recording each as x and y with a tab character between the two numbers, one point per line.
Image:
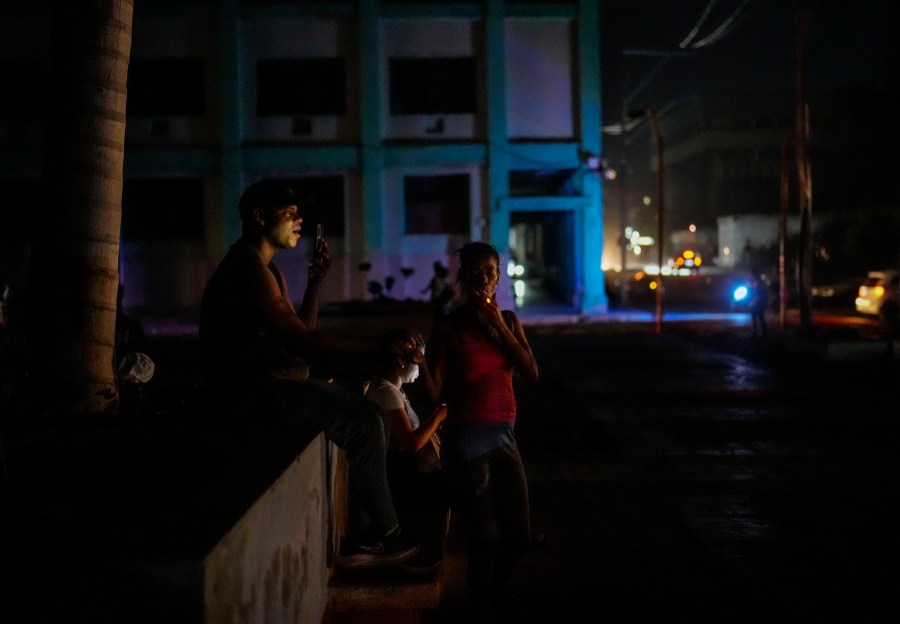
374	551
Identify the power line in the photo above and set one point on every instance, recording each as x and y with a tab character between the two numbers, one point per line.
724	28
666	55
696	28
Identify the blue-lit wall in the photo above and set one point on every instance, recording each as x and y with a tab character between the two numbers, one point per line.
538	110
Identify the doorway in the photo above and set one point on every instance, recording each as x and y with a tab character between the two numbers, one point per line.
542	258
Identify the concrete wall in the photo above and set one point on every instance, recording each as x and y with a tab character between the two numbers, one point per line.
272	566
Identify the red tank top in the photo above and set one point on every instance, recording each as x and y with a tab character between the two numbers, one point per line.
481	390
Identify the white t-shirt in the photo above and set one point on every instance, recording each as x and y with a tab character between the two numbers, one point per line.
390	397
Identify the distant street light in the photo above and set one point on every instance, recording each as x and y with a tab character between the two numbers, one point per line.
660	205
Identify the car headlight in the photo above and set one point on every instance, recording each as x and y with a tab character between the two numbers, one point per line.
740	293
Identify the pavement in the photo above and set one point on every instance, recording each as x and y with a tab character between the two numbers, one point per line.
703	475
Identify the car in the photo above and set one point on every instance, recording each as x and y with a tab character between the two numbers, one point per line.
878	295
689	259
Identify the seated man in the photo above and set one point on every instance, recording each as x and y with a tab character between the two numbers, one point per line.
258	351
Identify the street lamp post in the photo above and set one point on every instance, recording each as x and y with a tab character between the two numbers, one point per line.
665	57
804	181
660	207
660	199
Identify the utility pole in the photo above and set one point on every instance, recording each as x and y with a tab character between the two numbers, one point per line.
664	58
623	209
652	116
784	203
660	205
804	178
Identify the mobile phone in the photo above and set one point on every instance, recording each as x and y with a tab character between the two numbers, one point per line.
320	237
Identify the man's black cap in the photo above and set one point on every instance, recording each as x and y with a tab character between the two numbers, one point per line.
269	193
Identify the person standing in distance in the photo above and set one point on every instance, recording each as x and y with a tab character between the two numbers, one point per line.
759	303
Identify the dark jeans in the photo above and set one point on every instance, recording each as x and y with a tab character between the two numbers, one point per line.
412	488
758	318
489	487
422	501
298	410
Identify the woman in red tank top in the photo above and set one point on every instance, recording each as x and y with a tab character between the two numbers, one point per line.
475	350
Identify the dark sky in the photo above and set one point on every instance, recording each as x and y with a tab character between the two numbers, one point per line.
851	43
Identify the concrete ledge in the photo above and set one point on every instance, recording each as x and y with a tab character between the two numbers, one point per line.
280	542
390	591
164	523
387	595
383	596
392	588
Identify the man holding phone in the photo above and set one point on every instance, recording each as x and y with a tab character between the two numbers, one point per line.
320	240
259	352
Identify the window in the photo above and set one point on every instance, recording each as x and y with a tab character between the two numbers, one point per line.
541	78
155	209
328	193
437	204
309	86
172	87
433	86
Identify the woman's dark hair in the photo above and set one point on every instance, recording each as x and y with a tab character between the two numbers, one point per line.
471	254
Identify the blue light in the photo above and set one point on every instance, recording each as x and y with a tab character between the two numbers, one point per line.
740	293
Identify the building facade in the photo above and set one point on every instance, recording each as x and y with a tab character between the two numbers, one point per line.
416	127
729	157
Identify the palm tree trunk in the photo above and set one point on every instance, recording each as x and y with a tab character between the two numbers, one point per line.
74	277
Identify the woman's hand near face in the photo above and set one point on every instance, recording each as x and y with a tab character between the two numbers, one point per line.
490	312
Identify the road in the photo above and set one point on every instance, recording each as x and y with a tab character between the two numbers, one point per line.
704	476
